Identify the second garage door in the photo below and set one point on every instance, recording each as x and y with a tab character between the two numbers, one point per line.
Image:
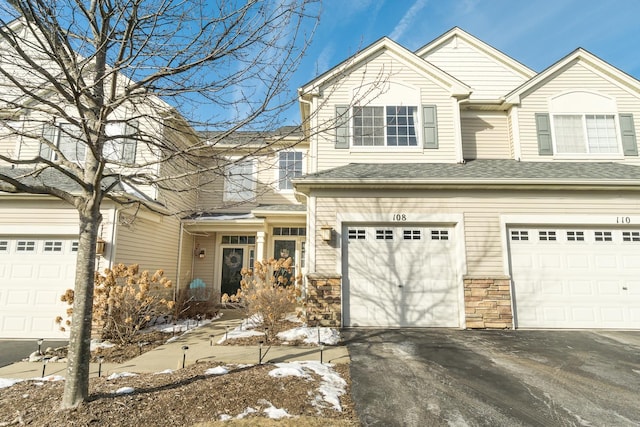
34	273
575	277
399	276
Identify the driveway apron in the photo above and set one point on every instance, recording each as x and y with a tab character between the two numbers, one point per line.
432	377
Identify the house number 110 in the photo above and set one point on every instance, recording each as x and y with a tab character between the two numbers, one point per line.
623	220
399	217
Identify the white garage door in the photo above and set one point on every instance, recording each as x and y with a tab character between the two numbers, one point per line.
399	276
576	277
34	273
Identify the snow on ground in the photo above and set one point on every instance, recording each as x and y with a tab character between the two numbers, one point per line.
318	335
125	390
273	412
117	375
218	370
331	387
166	371
326	336
8	382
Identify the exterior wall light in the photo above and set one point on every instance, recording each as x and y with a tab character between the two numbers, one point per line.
100	246
326	233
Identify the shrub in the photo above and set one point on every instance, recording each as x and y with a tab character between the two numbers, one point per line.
269	291
125	301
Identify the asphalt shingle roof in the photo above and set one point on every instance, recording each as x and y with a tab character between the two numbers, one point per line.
484	170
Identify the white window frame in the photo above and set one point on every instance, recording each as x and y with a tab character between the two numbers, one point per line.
587	153
57	133
417	126
123	136
278	172
244	191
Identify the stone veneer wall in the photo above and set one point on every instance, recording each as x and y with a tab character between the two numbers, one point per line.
324	302
487	302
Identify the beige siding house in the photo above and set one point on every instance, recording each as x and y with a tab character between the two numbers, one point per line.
447	187
455	187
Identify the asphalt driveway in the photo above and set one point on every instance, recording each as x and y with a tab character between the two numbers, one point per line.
432	377
15	350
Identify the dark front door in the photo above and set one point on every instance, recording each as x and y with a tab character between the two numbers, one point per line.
232	263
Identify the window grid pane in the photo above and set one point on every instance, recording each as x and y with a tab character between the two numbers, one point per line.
569	134
601	133
384	234
368	126
401	129
575	236
290	167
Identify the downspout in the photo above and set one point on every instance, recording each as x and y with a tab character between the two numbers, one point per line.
114	223
314	147
178	272
457	118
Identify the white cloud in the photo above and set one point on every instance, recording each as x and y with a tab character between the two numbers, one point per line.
407	20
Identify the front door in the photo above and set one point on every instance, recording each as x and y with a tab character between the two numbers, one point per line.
232	264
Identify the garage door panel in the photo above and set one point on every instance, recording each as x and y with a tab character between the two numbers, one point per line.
580	288
586	278
18	297
410	283
34	273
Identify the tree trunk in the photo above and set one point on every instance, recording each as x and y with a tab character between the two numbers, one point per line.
76	387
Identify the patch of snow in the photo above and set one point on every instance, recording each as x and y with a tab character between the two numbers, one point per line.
218	370
96	344
327	336
273	412
166	371
246	412
240	332
117	375
290	369
125	390
8	382
225	417
636	371
332	385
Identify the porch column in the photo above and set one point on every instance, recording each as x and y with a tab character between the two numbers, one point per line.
260	237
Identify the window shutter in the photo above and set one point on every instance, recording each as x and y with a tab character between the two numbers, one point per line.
129	142
430	126
342	127
543	128
628	131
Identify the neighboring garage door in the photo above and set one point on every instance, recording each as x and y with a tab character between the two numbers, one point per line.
576	277
399	276
34	273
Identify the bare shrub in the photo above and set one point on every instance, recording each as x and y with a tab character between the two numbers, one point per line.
269	291
125	301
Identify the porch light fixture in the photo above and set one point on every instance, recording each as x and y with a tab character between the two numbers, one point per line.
100	245
202	253
326	233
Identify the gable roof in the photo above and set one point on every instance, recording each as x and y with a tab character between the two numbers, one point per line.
385	44
608	71
476	173
490	51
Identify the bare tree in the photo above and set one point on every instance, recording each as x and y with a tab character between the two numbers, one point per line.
85	84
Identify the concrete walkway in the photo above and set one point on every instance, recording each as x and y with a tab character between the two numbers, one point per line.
202	347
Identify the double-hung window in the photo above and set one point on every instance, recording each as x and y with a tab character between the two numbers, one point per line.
122	142
392	126
585	134
239	182
67	138
289	167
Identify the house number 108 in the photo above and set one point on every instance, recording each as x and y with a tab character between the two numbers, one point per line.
399	217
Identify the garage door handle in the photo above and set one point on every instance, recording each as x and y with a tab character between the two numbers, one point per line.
624	288
401	286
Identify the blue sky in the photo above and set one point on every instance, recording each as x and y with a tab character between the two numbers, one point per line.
534	32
